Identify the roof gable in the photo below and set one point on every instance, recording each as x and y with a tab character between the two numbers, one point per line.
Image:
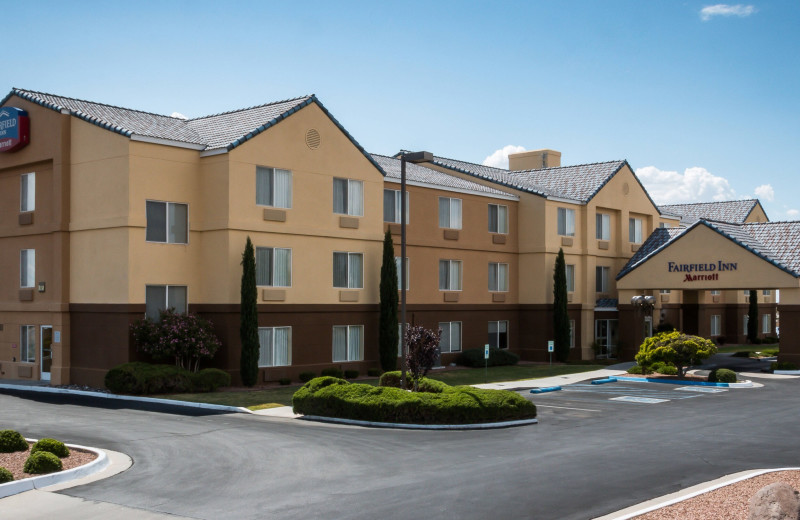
732	211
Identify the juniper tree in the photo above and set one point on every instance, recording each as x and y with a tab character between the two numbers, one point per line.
388	335
248	317
560	315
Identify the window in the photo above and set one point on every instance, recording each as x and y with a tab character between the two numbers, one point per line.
449	275
635	230
27	343
391	206
664	225
348	197
498	276
167	222
571	333
601	279
603	226
275	346
665	291
766	292
498	334
570	269
451	337
498	218
273	266
348	343
27	268
399	271
161	297
716	324
566	222
27	192
716	292
273	187
449	213
348	270
766	323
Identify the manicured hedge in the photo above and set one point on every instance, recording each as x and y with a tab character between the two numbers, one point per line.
332	397
11	441
144	378
42	462
722	375
497	357
425	384
5	475
57	448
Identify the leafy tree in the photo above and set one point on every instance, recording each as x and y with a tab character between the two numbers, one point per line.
560	315
248	317
187	338
676	348
423	351
752	318
388	335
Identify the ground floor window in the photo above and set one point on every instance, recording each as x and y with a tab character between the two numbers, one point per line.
348	343
27	343
162	297
606	336
451	337
275	346
716	325
498	334
766	323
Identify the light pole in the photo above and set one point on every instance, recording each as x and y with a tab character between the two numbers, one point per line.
646	304
412	157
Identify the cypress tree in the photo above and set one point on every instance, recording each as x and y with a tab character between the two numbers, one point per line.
560	315
388	335
752	318
248	317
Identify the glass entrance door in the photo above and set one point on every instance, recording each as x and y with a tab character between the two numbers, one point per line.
606	334
46	351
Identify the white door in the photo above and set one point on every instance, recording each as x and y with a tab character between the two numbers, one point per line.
46	351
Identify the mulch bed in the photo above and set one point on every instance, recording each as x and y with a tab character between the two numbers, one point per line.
14	462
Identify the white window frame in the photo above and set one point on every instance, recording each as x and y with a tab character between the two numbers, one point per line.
264	350
569	270
497	340
399	277
766	292
603	226
27	192
348	351
602	273
449	336
270	176
167	222
716	325
355	189
166	298
498	286
274	267
395	205
635	230
665	291
350	283
27	268
449	283
715	292
27	343
566	222
501	218
451	218
766	323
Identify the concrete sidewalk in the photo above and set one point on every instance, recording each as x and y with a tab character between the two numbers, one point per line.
544	382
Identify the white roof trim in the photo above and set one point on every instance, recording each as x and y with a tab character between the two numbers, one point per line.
215	151
455	190
167	142
568	201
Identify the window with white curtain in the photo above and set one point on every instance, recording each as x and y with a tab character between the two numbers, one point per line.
498	218
275	346
498	276
348	197
391	206
451	337
601	279
449	275
167	222
274	266
27	192
570	271
273	187
716	324
399	269
27	268
348	343
635	230
498	334
766	323
603	226
766	292
162	297
566	222
348	270
449	213
27	343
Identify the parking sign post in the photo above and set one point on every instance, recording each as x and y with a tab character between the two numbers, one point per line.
551	346
486	363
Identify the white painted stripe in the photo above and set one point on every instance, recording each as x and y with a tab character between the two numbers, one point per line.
702	389
566	408
632	399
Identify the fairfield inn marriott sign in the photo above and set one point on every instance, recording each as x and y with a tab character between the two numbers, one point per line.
702	272
14	129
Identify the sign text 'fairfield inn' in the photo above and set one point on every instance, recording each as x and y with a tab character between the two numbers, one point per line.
14	129
710	271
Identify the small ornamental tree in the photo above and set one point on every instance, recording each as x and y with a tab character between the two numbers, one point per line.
677	348
388	335
187	338
248	317
423	351
560	315
752	318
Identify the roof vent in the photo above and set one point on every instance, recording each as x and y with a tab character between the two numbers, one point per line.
312	139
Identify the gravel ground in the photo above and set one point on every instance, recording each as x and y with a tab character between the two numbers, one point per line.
726	503
14	462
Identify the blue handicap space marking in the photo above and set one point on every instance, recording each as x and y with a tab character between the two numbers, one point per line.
642	395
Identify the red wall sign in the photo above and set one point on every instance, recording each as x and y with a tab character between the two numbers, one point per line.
15	129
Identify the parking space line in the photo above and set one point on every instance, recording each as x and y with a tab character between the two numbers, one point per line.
633	399
702	389
566	408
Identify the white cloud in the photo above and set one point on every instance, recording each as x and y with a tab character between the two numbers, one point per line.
499	159
765	192
693	185
793	213
739	10
178	115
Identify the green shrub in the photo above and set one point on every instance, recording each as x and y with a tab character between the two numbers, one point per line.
392	379
741	353
771	339
42	462
53	446
636	369
285	381
720	340
497	357
374	372
210	379
5	475
332	372
144	378
305	377
756	341
769	352
782	365
11	441
722	375
350	374
668	370
657	366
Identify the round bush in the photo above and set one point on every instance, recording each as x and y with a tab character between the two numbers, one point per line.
635	369
53	446
11	441
333	372
668	370
305	377
782	365
145	378
5	475
350	374
374	372
722	375
285	381
42	462
497	357
209	379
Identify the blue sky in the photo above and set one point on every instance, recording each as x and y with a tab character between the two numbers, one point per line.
701	98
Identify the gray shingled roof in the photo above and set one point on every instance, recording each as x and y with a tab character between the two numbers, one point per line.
782	239
419	173
732	211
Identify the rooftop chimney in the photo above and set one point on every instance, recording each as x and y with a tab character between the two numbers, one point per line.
534	160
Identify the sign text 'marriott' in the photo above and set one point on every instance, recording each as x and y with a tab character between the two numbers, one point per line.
710	271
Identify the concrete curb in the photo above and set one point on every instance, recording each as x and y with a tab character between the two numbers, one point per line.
101	395
604	381
401	426
787	372
27	484
545	389
685	494
743	384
